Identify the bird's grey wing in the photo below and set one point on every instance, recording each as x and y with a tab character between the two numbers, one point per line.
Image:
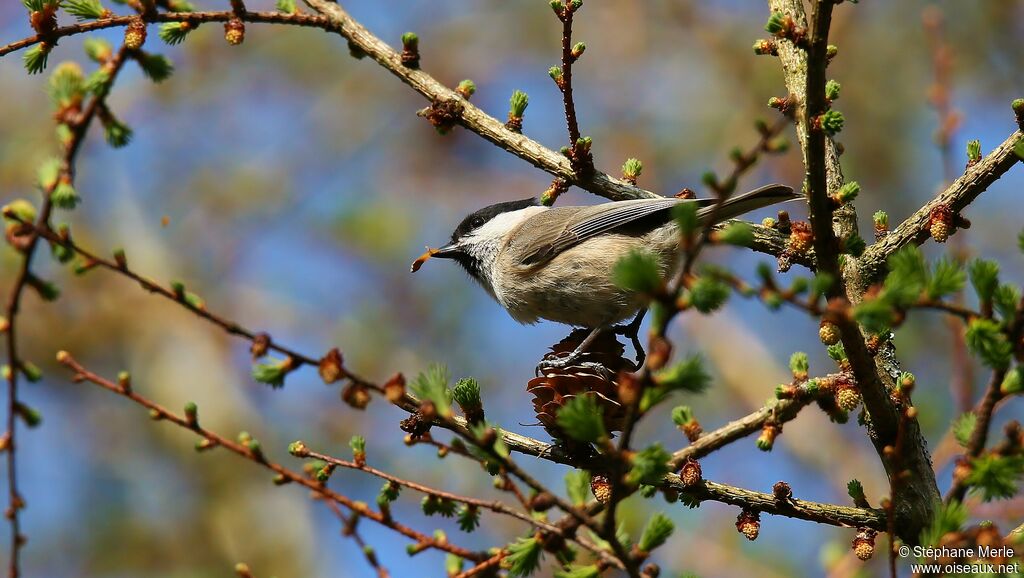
586	223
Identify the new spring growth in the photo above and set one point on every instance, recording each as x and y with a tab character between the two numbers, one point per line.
766	47
251	444
631	170
358	445
577	51
86	9
175	32
192	414
582	419
973	152
411	50
832	90
467	394
298	449
881	222
738	233
799	365
517	107
1018	111
656	533
286	6
120	258
156	66
273	372
31	416
466	88
186	297
687	423
124	380
555	72
831	122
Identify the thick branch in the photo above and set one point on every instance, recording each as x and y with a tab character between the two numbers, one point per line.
845	516
958	196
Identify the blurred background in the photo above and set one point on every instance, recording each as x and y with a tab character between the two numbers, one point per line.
298	184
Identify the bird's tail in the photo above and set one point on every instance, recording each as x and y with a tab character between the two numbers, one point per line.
756	199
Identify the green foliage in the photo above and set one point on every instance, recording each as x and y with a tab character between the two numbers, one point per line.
687	375
832	122
469	518
739	233
467	394
286	6
579	572
682	415
1005	300
685	215
822	283
656	532
410	41
638	271
581	419
47	174
358	444
776	23
995	476
948	518
388	493
271	372
880	219
35	58
987	341
67	84
832	89
632	168
436	505
467	87
854	245
174	32
963	427
524	556
155	66
708	294
876	315
974	150
555	72
1013	383
577	486
31	371
856	491
947	277
650	465
848	192
799	364
984	277
116	132
908	275
837	352
518	103
98	82
432	385
84	9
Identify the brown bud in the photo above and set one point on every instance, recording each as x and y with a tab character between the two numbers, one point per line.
660	351
686	193
748	523
692	430
394	389
601	486
782	491
234	31
940	223
690	474
629	388
135	34
864	544
356	395
514	123
260	345
542	502
330	367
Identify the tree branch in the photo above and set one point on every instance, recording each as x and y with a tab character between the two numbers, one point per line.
958	196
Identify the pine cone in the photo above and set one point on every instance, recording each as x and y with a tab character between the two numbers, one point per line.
554	389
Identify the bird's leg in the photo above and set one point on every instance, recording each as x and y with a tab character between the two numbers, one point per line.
572	358
632	331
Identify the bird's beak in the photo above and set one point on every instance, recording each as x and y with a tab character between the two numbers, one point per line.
449	251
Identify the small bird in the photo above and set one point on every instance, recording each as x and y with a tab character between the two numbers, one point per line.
556	263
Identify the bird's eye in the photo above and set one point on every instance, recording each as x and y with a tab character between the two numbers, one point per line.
477	222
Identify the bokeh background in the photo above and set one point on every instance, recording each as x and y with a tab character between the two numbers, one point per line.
298	184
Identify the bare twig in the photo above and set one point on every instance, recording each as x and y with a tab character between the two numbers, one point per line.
83	374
